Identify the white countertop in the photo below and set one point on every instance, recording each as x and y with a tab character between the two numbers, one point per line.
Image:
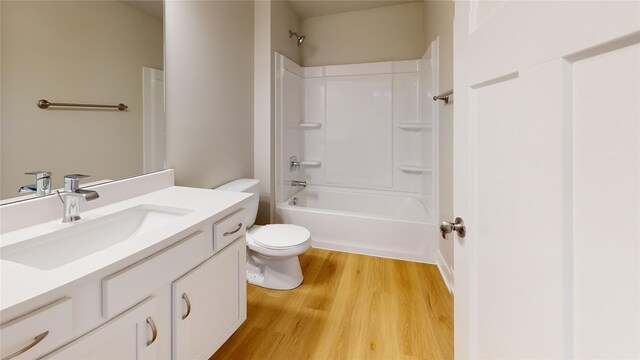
20	283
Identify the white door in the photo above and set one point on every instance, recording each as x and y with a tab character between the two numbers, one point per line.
547	179
153	120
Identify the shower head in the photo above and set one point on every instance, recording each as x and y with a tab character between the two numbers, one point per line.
299	38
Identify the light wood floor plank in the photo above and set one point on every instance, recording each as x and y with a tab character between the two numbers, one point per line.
349	307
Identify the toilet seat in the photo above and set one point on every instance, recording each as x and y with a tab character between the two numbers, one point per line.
279	236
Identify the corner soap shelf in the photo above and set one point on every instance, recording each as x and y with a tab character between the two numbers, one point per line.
310	125
414	169
414	126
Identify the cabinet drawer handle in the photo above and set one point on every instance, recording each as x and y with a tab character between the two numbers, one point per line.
36	341
186	299
154	331
238	227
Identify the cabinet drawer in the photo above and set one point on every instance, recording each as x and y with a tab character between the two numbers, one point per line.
39	332
228	229
129	286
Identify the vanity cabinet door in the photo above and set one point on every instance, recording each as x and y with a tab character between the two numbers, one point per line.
209	303
131	335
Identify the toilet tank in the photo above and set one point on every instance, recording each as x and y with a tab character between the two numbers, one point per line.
247	186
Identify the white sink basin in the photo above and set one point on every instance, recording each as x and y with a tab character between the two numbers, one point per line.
81	239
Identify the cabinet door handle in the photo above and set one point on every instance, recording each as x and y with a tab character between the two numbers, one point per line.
154	331
36	341
186	299
238	227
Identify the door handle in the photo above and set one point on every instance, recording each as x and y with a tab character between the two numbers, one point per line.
457	226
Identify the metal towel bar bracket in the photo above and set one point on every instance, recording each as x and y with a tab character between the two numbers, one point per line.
44	104
444	96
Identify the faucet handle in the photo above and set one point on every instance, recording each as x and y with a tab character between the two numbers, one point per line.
40	174
71	181
76	176
294	164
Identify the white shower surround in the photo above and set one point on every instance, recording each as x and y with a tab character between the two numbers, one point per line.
368	135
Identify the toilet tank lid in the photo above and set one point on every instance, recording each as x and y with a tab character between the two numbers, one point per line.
239	185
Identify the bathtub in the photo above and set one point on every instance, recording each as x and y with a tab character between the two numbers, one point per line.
378	223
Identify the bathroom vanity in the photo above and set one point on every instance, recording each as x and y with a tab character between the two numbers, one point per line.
153	273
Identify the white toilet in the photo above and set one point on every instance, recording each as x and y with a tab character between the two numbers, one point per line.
272	250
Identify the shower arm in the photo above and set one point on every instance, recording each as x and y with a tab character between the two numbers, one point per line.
299	38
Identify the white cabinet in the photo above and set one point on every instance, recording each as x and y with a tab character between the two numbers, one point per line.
131	335
209	303
136	312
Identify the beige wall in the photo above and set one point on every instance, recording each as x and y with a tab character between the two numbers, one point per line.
283	19
272	22
380	34
209	90
438	22
263	131
42	59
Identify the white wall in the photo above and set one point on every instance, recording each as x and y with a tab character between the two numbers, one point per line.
209	90
379	34
438	23
45	55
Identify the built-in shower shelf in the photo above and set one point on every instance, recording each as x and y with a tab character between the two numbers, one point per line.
414	169
311	125
414	126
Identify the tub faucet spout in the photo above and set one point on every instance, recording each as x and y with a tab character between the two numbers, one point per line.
298	183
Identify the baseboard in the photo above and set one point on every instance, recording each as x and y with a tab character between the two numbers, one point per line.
372	252
445	272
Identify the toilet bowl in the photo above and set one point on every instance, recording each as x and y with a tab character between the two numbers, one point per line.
272	250
272	256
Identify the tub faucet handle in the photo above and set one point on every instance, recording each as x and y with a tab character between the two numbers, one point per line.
294	164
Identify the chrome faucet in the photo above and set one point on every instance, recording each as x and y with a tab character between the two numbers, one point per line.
298	183
42	185
72	195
